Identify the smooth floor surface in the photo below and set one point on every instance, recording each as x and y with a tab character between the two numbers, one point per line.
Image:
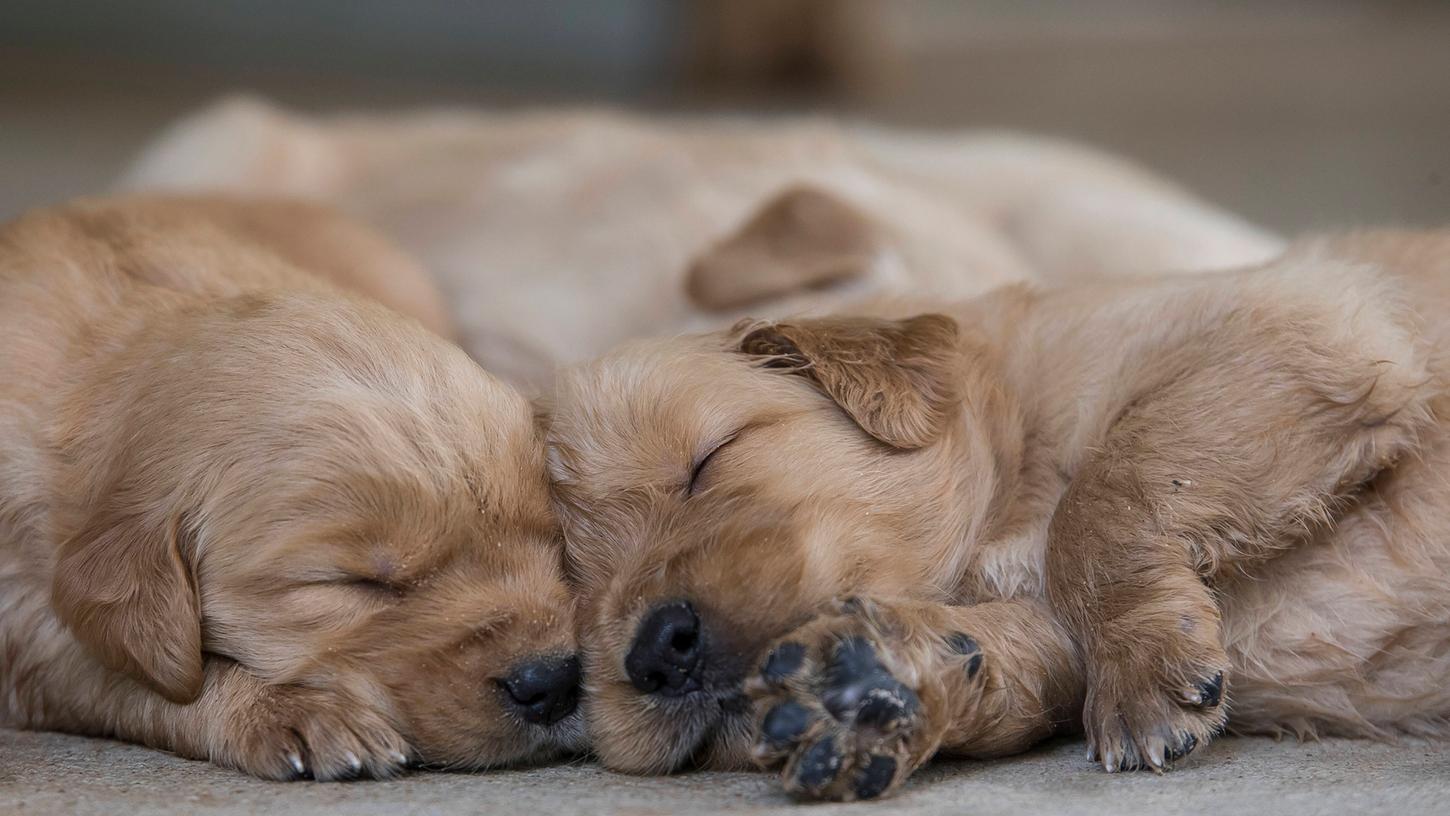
56	774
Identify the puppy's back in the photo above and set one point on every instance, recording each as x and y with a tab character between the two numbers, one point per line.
220	246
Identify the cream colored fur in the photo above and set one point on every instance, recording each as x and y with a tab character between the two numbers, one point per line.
556	235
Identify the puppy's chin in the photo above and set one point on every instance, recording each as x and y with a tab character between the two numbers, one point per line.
648	735
532	745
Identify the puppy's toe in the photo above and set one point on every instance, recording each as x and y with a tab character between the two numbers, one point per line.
1135	723
290	733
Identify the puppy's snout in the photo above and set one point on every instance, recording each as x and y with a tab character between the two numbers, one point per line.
545	690
665	656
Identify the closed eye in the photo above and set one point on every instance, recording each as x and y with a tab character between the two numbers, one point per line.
373	586
699	469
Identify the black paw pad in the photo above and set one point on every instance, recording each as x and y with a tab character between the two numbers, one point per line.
854	678
1210	691
974	665
785	724
819	765
886	706
876	777
785	660
963	643
853	660
1186	743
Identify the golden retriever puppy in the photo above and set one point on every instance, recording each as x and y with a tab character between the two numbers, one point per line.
250	518
1146	509
559	234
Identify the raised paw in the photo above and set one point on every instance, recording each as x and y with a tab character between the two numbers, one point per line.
291	732
1148	711
836	710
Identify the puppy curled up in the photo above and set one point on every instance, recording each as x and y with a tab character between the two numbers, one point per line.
1145	510
250	515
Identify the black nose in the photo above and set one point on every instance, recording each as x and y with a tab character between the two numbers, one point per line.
546	690
665	656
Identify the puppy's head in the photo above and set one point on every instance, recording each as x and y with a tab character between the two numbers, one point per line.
717	490
330	496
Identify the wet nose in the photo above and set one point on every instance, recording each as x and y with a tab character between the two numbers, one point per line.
665	656
545	690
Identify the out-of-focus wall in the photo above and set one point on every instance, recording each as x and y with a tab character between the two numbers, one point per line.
1298	113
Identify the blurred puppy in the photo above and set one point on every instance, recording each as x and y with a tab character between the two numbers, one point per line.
557	235
1104	506
252	519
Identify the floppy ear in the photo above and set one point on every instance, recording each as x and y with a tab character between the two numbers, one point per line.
898	379
802	238
126	590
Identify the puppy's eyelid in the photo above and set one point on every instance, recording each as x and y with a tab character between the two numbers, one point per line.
363	583
376	584
699	467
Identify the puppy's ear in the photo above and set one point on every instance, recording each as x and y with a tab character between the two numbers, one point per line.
898	379
803	238
126	589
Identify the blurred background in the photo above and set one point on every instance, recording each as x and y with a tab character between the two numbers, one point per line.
1295	113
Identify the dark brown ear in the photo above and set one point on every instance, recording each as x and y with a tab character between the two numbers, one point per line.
898	379
126	590
801	239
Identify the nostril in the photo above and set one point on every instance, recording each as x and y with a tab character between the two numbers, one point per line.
664	657
683	642
545	690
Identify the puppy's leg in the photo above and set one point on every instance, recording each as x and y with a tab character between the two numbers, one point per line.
272	731
854	701
289	731
1262	436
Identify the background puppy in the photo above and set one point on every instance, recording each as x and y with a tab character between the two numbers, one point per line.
557	235
249	518
1107	507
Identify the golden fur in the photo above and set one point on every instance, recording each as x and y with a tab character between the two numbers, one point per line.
559	233
1133	507
249	518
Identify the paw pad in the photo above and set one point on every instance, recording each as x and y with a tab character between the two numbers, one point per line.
967	646
1208	693
784	661
875	778
785	724
819	765
860	690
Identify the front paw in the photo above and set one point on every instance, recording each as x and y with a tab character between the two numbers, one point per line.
293	732
849	706
1155	700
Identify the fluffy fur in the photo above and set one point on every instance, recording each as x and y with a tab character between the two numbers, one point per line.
1139	508
559	234
253	519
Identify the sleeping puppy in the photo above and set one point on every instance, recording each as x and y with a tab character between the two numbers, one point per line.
846	544
252	519
558	234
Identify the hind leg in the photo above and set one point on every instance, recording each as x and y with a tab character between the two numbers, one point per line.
1351	636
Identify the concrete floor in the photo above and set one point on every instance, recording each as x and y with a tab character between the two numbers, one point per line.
55	774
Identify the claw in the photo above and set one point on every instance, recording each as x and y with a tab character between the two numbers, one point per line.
353	762
1155	754
295	760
